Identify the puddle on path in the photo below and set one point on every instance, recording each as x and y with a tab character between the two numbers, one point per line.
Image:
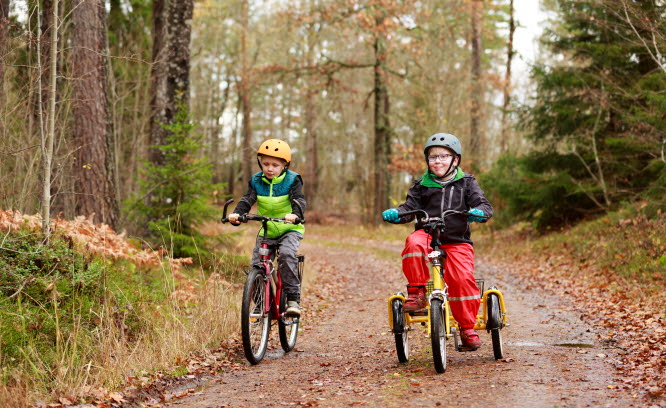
526	344
535	344
574	345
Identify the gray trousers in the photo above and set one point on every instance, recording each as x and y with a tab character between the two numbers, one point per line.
287	246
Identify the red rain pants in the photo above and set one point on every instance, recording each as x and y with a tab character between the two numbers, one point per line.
464	296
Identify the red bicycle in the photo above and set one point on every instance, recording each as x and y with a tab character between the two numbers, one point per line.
263	299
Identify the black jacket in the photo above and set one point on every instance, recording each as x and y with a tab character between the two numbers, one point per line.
462	194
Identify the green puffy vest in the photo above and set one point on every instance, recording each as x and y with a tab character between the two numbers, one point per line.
273	201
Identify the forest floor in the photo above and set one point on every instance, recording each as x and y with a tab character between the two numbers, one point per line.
345	355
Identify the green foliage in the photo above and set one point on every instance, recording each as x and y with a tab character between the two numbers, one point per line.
178	192
49	291
538	188
597	118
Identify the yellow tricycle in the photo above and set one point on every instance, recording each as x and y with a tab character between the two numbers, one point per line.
437	315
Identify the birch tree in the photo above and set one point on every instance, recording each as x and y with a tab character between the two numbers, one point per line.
47	138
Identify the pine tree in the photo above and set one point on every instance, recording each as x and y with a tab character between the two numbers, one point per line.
598	115
178	191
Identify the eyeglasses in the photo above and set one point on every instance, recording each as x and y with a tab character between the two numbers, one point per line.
440	157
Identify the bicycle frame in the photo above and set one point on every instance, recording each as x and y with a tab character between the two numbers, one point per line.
272	305
439	291
272	300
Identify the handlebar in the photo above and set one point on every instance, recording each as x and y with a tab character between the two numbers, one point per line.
425	218
256	217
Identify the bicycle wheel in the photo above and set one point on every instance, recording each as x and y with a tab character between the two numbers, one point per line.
255	322
438	334
494	325
400	331
287	327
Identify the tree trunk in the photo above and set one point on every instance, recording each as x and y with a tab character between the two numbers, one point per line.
47	139
311	182
40	112
171	67
215	135
4	39
158	95
93	133
476	134
235	167
507	82
382	142
179	27
247	152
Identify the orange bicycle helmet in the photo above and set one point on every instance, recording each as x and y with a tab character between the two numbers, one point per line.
275	148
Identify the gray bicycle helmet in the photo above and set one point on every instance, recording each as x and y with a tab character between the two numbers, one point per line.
443	140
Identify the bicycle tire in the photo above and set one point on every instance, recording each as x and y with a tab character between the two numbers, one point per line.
288	332
400	331
494	325
438	334
255	321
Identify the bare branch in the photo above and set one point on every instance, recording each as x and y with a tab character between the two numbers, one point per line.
15	152
657	58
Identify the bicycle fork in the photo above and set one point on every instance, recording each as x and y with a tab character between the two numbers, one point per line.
439	289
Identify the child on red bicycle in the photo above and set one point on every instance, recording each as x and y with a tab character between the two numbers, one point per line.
444	186
278	193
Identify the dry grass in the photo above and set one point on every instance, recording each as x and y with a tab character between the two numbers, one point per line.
198	312
166	340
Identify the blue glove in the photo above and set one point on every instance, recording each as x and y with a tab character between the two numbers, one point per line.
391	215
476	211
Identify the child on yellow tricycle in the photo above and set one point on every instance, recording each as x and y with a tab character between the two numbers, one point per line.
444	200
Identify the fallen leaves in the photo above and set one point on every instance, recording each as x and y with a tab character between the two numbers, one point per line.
98	239
626	319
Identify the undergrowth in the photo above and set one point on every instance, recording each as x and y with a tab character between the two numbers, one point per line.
71	322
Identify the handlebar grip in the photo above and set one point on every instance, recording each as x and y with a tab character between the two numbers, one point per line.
241	219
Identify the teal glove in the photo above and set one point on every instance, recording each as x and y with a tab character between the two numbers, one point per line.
391	215
476	211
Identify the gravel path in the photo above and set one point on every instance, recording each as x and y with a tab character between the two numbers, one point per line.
346	357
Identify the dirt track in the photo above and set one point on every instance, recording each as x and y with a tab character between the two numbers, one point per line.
346	357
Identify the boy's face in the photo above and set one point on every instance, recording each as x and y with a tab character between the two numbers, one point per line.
440	160
271	166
